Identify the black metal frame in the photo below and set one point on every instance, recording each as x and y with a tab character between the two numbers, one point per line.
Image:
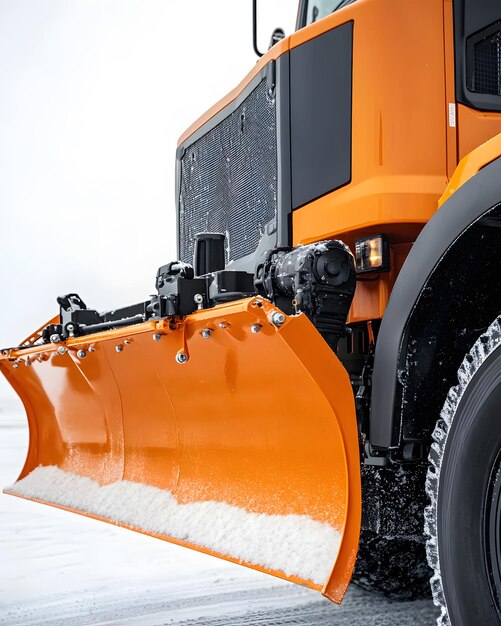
301	14
254	29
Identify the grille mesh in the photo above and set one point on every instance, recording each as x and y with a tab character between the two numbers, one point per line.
229	178
485	64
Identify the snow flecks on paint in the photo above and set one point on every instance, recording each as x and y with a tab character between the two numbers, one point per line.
294	544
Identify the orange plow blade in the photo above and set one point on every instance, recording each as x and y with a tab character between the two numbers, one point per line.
222	432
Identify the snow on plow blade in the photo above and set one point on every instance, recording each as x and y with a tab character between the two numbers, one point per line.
222	432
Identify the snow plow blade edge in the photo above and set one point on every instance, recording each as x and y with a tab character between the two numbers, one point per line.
222	432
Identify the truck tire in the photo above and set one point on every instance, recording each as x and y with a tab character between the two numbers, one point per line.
463	520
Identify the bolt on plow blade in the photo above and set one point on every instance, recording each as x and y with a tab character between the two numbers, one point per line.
232	432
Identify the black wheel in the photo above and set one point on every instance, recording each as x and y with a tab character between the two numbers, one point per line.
393	567
464	487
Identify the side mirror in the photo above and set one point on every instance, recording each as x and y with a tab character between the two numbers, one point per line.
276	36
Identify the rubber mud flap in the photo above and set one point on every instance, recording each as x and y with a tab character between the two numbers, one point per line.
223	432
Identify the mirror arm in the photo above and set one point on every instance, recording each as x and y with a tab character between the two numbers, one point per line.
254	28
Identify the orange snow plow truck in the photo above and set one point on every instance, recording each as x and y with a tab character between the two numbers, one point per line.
314	390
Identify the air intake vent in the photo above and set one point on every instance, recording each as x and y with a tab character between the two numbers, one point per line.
484	61
229	178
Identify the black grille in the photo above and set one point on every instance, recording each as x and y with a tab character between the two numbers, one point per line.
229	178
484	61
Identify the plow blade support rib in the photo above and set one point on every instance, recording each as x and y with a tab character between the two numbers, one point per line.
224	432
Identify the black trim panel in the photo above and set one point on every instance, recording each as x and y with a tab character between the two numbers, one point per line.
321	92
480	194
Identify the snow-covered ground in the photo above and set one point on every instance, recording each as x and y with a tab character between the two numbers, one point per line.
61	569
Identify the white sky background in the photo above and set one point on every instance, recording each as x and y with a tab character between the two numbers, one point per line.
93	96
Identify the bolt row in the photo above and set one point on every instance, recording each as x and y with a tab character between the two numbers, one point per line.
277	318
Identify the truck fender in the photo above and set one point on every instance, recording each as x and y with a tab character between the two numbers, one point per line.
474	191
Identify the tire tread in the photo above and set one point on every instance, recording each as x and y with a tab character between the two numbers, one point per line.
481	350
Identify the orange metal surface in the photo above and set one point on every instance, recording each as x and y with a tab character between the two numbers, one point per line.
475	128
471	164
262	421
397	177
